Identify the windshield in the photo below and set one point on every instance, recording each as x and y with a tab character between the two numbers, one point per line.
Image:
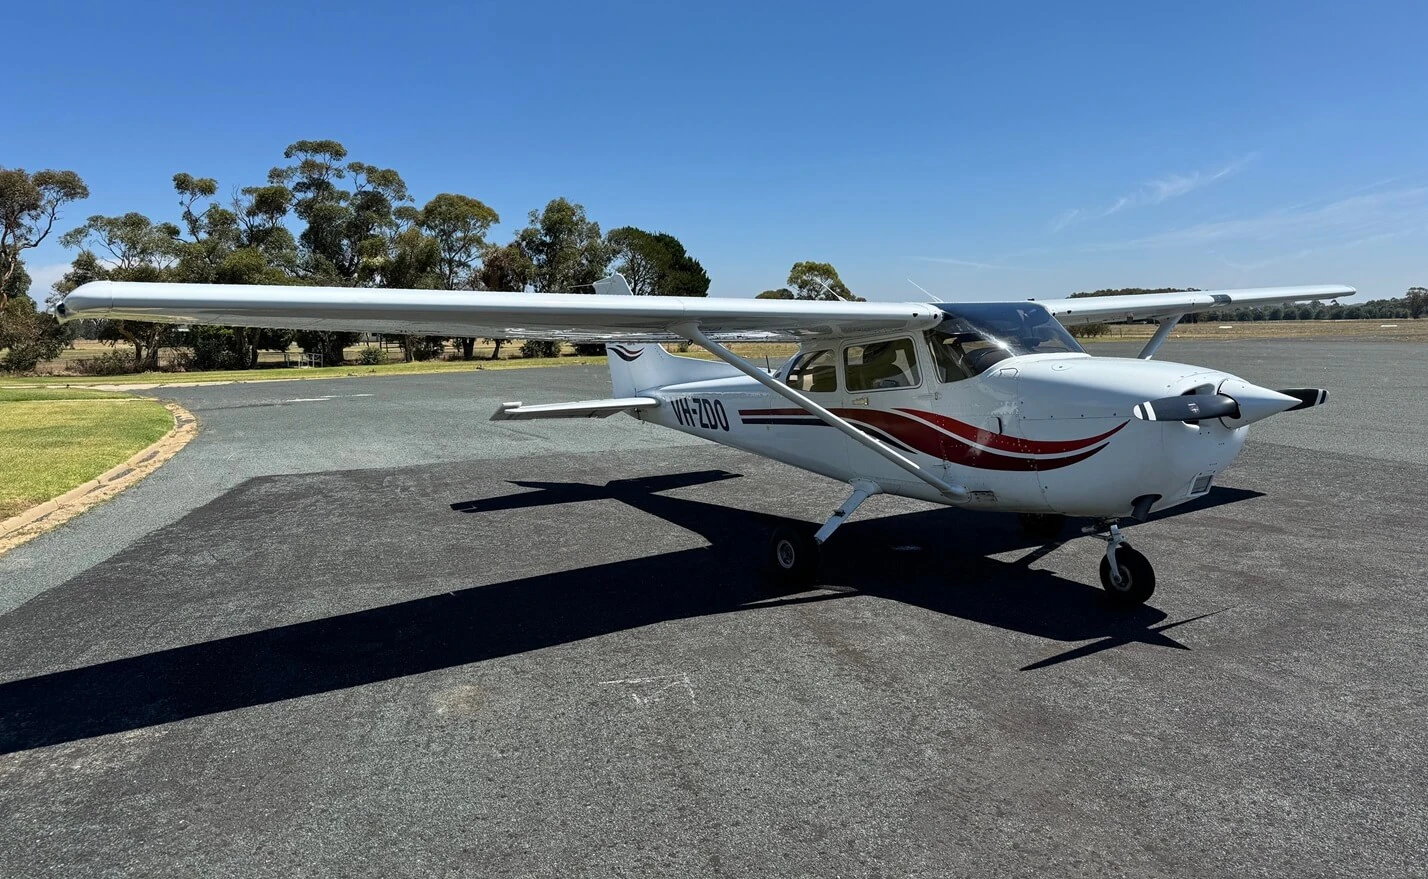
975	335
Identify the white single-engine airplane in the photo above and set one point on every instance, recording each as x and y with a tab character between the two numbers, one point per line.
986	406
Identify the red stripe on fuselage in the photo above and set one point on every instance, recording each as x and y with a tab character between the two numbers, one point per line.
1005	443
922	436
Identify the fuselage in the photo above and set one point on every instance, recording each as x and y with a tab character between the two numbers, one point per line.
1036	432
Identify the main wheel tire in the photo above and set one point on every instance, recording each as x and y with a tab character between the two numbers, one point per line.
1042	526
793	555
1137	577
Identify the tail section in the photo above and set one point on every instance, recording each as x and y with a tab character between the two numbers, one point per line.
636	367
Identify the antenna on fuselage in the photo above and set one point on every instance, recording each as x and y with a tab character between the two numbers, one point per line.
832	292
924	290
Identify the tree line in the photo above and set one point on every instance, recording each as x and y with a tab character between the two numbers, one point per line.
322	219
319	219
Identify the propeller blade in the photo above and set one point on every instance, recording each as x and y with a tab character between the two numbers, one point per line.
1188	407
1307	397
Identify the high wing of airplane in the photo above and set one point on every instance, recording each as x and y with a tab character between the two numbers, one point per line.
985	406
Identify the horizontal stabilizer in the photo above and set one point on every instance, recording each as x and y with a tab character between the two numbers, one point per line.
581	409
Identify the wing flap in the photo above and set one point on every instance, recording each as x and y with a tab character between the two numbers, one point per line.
580	409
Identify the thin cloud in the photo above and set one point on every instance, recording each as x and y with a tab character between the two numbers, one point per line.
1124	201
1355	217
1154	192
1265	263
1064	219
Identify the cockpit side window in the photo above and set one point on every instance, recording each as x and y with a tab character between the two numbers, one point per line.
963	355
815	372
975	335
948	357
879	366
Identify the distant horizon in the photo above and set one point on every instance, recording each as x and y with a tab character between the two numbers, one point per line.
979	152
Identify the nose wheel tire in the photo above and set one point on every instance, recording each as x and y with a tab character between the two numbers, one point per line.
1137	577
793	556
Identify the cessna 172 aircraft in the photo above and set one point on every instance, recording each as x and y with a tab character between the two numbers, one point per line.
986	406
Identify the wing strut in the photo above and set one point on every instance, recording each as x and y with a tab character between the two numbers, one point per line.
954	493
1161	334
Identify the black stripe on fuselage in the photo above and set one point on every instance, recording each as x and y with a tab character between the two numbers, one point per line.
818	422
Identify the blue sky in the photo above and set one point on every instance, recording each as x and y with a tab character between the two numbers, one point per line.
982	150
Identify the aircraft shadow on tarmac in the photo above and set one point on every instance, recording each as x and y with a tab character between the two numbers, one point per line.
516	616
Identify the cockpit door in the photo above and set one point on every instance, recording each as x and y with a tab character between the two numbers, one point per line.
884	381
794	435
977	412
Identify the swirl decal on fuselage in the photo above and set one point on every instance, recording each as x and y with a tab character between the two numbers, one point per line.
949	439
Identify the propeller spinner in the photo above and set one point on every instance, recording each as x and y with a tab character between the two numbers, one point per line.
1238	402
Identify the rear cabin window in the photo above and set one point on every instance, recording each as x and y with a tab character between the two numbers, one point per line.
879	366
815	372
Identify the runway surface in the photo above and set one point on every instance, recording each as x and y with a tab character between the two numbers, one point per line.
357	629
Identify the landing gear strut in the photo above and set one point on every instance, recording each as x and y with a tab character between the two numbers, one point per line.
793	551
1126	575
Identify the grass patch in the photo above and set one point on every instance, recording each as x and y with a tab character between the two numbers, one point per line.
67	395
52	441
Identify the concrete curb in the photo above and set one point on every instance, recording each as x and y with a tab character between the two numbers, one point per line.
53	513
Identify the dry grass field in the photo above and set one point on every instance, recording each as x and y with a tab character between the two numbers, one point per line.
1403	330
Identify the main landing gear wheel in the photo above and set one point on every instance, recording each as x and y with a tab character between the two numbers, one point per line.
794	555
1137	577
1042	526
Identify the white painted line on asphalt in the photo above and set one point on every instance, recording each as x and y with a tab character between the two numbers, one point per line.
322	399
657	688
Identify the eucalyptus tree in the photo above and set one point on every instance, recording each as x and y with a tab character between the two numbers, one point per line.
564	247
505	268
656	263
566	253
219	245
817	280
130	247
458	225
349	216
29	207
1417	298
27	335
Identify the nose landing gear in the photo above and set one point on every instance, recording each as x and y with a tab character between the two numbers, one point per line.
1126	575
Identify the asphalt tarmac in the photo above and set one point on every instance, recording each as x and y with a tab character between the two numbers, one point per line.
356	629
